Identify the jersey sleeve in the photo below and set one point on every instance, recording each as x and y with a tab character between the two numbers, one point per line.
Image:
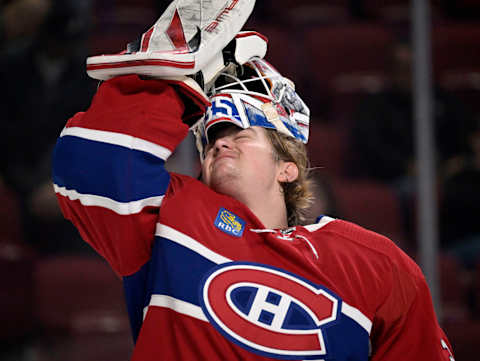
108	167
405	326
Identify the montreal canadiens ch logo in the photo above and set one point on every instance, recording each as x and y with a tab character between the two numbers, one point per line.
268	311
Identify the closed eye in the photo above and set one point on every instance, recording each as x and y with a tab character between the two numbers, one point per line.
244	134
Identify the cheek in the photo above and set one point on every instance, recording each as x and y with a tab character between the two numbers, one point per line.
263	162
205	172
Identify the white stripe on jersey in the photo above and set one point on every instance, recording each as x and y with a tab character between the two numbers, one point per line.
323	222
177	305
357	316
190	243
189	309
122	208
122	140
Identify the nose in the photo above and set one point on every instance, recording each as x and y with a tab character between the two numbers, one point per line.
224	141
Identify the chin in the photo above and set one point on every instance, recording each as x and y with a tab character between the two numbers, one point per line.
225	185
223	175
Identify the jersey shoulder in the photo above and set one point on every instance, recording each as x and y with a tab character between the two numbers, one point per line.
356	241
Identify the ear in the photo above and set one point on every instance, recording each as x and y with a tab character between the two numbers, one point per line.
288	172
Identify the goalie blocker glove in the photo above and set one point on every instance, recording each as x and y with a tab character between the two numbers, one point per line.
189	45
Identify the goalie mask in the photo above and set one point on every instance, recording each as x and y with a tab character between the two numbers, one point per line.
254	94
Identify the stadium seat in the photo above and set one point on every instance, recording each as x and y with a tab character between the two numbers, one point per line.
348	91
371	205
326	147
454	288
126	18
110	41
476	291
355	48
465	85
16	301
461	10
463	335
458	74
282	44
10	223
80	307
396	11
332	52
297	13
78	294
16	267
143	3
91	347
455	47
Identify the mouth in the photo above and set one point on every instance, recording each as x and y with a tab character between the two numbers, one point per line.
224	155
221	158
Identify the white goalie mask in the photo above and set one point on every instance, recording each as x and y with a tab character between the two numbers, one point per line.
259	96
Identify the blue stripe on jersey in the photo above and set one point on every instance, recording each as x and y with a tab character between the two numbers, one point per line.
137	297
121	174
345	338
164	274
180	272
175	279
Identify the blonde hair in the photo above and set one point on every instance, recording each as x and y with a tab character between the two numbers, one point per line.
299	193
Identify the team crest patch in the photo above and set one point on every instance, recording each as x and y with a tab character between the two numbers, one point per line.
229	223
269	311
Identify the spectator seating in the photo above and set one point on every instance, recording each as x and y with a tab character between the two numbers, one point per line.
459	74
371	205
462	328
476	291
284	50
10	223
334	52
116	23
454	288
81	309
461	10
355	48
463	335
326	147
396	11
303	12
16	300
465	85
460	39
16	270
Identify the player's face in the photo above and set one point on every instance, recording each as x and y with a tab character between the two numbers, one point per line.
240	159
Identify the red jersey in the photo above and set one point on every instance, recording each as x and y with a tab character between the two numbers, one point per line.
204	279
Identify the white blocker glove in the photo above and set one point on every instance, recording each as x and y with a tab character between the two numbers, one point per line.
189	45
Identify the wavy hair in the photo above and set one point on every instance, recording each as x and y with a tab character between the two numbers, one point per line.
299	194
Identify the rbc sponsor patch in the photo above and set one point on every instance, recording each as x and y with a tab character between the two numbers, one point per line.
229	223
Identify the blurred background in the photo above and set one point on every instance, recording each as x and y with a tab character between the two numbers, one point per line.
351	61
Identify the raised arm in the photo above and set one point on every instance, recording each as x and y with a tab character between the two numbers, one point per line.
109	170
